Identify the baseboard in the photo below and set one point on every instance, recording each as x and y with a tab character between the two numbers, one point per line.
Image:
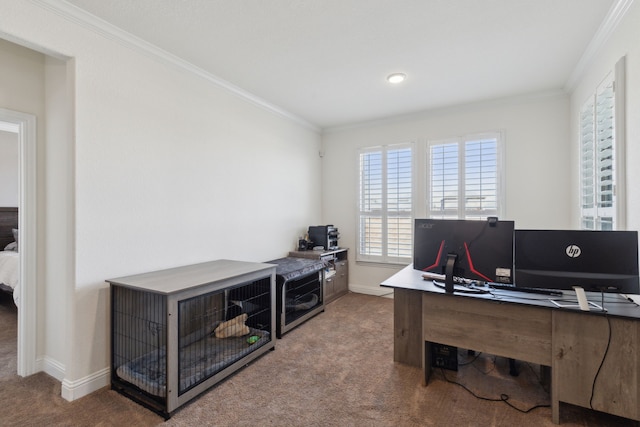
51	367
370	290
72	390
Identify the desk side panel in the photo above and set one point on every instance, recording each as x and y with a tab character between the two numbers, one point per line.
579	346
510	330
407	327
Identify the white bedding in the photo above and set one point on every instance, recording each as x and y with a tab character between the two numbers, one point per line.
9	270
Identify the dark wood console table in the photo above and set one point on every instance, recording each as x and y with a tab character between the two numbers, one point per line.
530	328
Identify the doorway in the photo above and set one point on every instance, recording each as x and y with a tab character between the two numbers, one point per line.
24	125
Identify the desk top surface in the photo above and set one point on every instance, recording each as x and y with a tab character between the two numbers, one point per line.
614	304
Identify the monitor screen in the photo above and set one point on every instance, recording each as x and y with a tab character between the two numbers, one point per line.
594	260
483	250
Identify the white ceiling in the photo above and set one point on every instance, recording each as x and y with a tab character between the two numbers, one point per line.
325	61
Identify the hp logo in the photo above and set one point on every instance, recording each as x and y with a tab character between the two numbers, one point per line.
573	251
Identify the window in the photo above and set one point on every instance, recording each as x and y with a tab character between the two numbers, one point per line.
386	204
601	155
464	180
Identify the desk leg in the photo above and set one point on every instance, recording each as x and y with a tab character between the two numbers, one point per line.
555	403
426	362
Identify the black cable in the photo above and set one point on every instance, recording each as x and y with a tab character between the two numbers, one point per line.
604	356
503	397
461	289
545	386
533	372
627	300
475	357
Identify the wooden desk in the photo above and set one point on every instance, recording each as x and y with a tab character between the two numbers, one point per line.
530	328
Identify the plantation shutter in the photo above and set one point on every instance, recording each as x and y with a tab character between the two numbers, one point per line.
370	236
464	178
386	204
587	162
602	155
597	129
481	178
399	204
445	176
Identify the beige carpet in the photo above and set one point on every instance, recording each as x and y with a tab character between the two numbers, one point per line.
335	370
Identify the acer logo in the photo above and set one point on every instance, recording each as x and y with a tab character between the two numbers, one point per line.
573	251
426	225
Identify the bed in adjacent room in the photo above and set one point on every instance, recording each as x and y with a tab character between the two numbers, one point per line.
9	258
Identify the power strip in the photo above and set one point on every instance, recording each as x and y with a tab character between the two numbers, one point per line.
444	356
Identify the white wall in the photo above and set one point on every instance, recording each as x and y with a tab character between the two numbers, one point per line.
623	42
9	158
166	169
538	190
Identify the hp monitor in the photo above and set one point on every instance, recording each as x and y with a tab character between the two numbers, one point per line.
602	261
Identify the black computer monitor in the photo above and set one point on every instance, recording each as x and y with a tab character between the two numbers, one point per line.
472	249
602	261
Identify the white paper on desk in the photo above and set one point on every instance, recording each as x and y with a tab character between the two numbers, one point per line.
582	298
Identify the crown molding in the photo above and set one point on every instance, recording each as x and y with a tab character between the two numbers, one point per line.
608	26
81	17
450	109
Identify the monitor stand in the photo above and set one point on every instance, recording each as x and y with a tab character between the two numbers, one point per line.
448	272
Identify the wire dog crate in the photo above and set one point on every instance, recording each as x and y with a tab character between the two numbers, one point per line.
177	332
299	293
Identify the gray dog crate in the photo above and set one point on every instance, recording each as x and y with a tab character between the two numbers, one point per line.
177	332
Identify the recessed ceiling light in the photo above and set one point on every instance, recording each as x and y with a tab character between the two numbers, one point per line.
396	78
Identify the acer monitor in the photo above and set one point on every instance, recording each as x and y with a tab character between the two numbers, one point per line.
478	250
600	261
